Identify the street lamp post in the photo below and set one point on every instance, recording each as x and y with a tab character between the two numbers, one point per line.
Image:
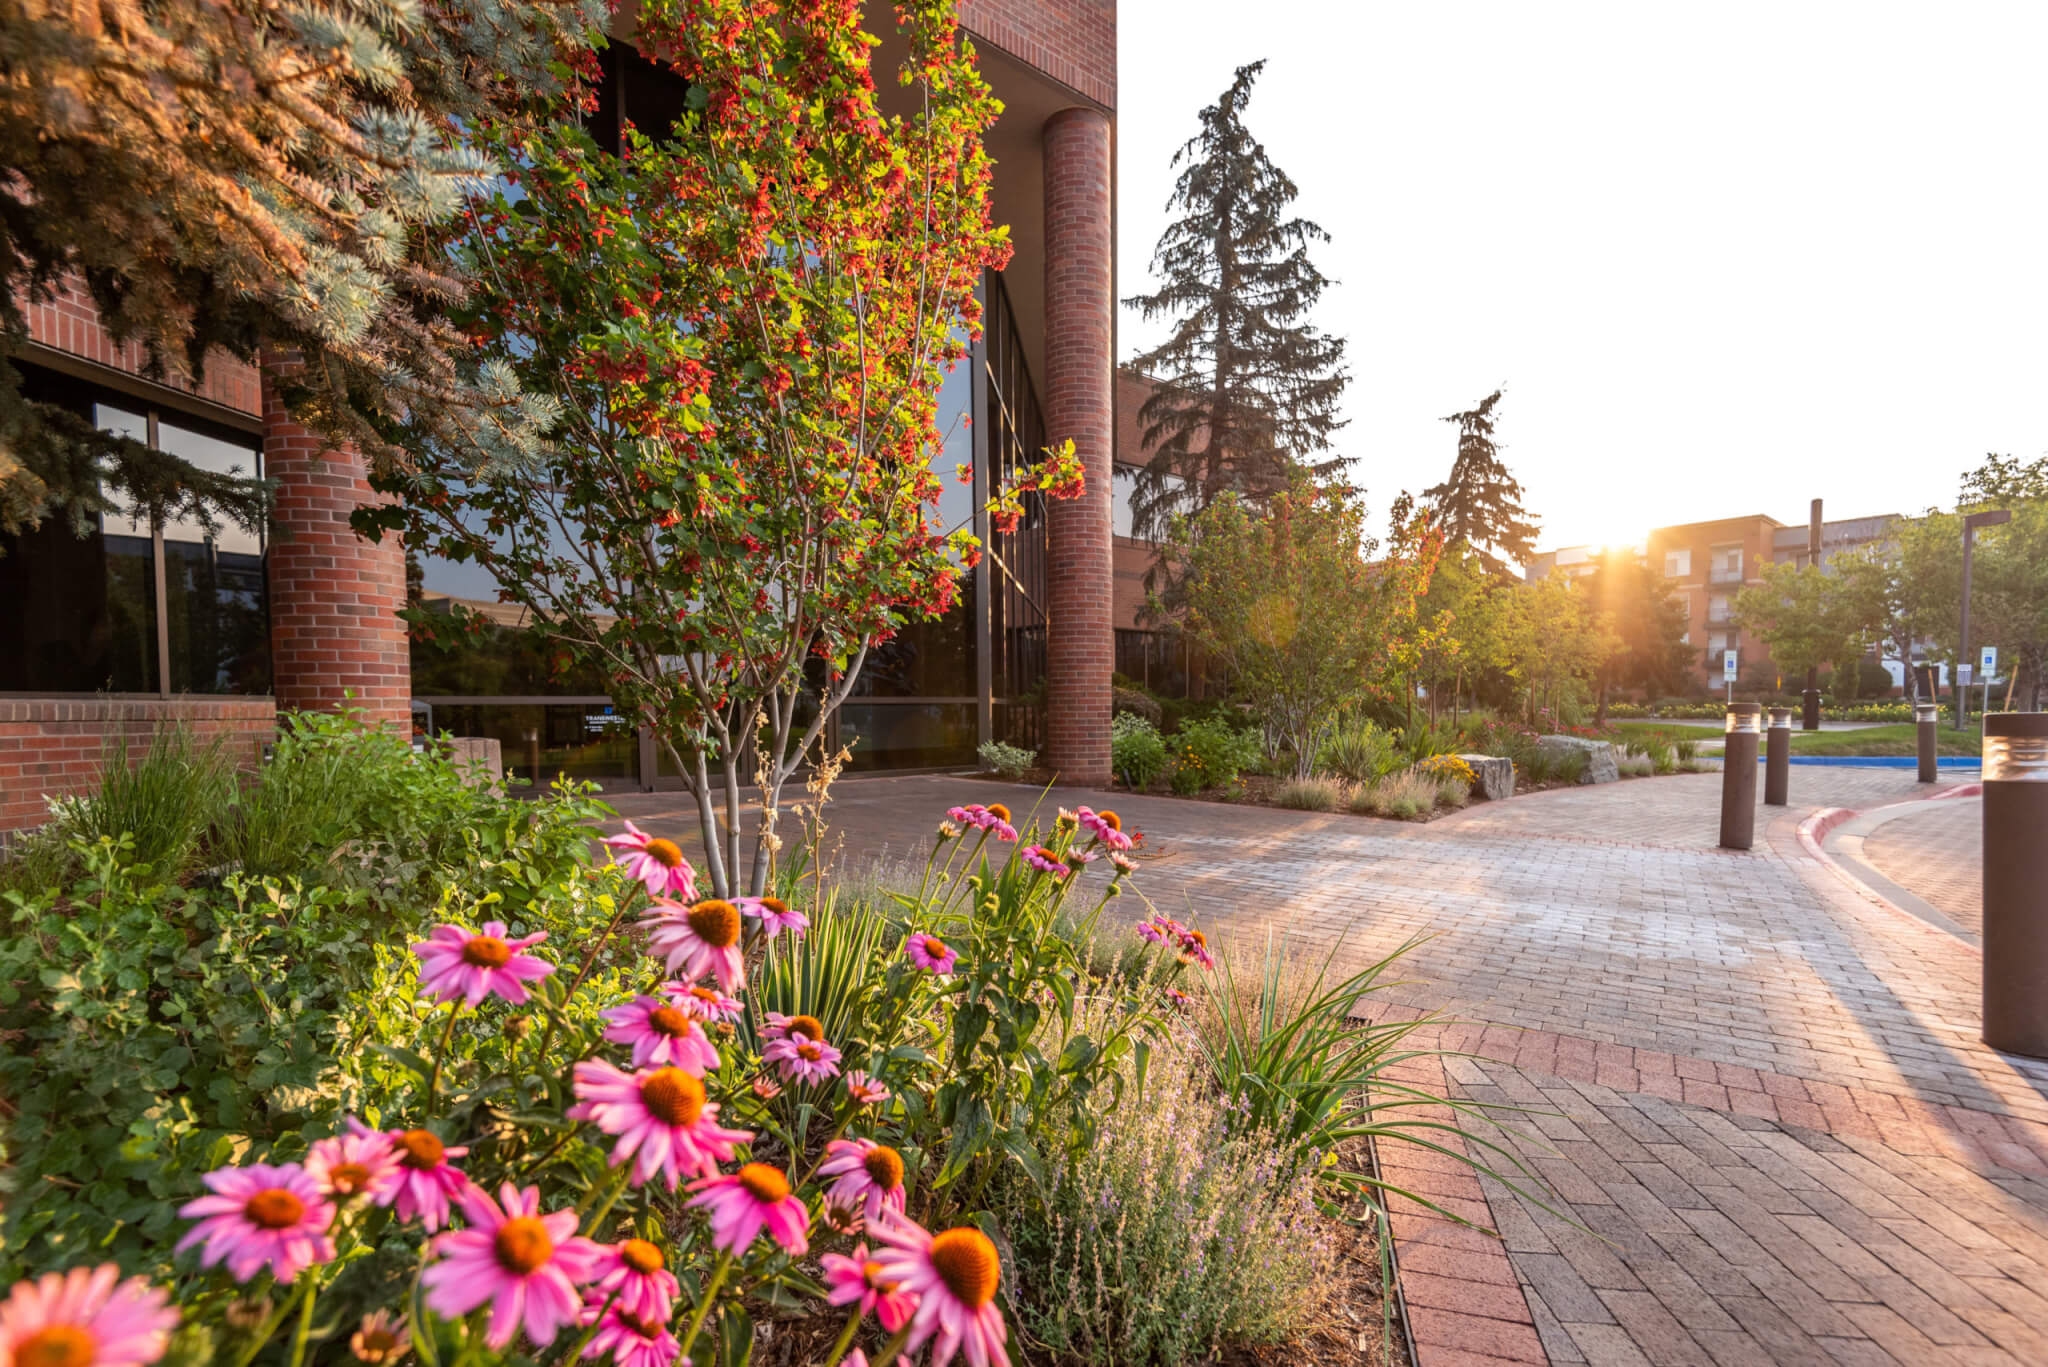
1810	700
1971	522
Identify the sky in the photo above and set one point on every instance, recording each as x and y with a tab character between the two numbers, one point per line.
1725	259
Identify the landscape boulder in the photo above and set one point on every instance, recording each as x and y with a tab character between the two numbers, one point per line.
1494	776
1601	765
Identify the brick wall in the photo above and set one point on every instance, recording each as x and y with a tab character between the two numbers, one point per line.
54	745
333	596
1072	41
1081	642
70	322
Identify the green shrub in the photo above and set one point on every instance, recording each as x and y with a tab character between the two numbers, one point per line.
1311	795
164	801
1136	752
1453	792
1006	760
1572	764
1360	752
1209	754
1135	702
1171	1235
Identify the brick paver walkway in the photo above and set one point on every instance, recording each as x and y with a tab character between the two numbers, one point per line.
1771	1108
1936	853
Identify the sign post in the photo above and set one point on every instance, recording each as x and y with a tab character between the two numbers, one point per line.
1728	671
1987	666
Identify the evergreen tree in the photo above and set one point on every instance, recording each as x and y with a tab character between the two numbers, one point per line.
242	175
1246	389
1480	505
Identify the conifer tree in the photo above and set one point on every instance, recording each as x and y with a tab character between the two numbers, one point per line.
1480	505
244	174
1245	390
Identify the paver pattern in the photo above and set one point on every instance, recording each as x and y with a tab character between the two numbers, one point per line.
1762	1087
1937	853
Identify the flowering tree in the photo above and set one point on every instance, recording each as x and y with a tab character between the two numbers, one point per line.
744	322
1289	600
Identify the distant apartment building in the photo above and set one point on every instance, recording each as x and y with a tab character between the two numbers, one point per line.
1568	562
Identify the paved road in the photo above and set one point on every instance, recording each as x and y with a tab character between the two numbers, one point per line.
1771	1106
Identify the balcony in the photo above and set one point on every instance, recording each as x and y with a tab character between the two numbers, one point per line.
1721	616
1720	575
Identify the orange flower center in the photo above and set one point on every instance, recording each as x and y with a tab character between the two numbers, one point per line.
640	1255
705	995
934	946
807	1026
765	1184
422	1149
873	1273
1199	938
646	1329
885	1166
274	1209
666	853
1111	820
775	906
716	921
673	1096
60	1345
669	1020
809	1053
348	1178
966	1262
486	951
522	1245
998	811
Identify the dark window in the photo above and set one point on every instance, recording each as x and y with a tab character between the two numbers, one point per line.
108	611
648	95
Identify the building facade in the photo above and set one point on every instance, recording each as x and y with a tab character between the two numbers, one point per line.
133	626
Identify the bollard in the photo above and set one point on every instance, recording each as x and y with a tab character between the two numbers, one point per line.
1928	715
1778	764
533	758
2016	882
1738	776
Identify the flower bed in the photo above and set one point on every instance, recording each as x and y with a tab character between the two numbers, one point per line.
533	1110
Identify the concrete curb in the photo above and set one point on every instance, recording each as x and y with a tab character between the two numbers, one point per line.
1813	833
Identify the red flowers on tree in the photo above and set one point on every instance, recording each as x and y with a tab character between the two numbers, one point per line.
744	322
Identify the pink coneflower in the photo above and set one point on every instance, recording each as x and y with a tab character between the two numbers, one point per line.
741	1203
83	1318
856	1280
864	1090
381	1339
700	940
635	1270
705	1003
1161	929
526	1264
1179	998
954	1277
995	818
780	1026
930	953
1122	863
1078	860
346	1165
767	1088
424	1178
660	1114
661	1033
631	1339
1105	826
656	864
868	1173
948	831
260	1216
1044	860
802	1055
457	962
775	915
854	1358
1194	947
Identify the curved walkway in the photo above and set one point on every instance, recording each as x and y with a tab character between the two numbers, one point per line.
1773	1123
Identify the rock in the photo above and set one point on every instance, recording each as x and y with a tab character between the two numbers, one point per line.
1601	765
1495	775
478	759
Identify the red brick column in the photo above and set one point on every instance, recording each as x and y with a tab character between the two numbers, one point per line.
333	596
1081	639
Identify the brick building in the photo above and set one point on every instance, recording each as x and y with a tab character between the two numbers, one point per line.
135	625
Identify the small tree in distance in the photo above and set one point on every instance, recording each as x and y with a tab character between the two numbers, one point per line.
1288	599
744	324
1480	504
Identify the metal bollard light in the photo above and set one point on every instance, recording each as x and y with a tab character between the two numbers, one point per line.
2016	882
1928	715
1778	759
1738	776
